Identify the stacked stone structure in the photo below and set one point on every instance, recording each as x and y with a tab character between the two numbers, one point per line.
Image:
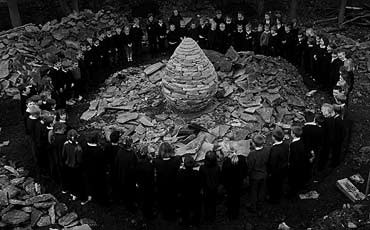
189	81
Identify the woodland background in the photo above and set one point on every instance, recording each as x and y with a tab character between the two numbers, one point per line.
17	12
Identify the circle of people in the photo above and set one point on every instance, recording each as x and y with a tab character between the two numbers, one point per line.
86	169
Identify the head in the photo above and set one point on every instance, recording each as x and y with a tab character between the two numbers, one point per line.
144	152
240	16
93	138
273	29
210	158
258	141
118	30
72	135
59	127
342	55
166	150
222	27
278	21
260	28
136	21
34	111
296	132
150	18
248	27
327	110
202	21
287	28
182	24
126	30
193	26
219	14
175	12
278	134
189	162
61	115
267	28
239	29
228	20
114	137
267	17
309	32
309	116
172	27
213	25
160	21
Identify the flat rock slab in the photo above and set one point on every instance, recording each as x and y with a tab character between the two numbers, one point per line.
15	217
153	68
44	221
67	219
81	227
40	199
88	114
126	117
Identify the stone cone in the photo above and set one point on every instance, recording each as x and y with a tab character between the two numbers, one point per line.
189	82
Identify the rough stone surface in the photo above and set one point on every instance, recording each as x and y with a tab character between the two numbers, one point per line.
67	219
190	80
44	221
15	217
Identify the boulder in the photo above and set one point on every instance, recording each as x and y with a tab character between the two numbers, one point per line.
68	219
35	216
40	198
61	209
153	68
44	205
15	217
44	221
122	118
81	227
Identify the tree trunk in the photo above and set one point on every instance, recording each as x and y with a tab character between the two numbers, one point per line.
64	6
15	17
260	7
293	9
75	6
342	11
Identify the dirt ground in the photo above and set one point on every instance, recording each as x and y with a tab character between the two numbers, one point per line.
298	214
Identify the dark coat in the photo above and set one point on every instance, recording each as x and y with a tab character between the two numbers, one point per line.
212	39
234	174
249	41
238	41
312	137
222	42
210	177
175	20
334	71
257	162
151	29
298	156
278	160
173	37
33	129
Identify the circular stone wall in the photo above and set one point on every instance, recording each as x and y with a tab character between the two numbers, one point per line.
190	80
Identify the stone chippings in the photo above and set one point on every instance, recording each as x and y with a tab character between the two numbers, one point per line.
23	205
189	82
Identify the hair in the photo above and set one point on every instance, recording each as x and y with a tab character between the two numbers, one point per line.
327	110
114	136
309	116
234	158
93	138
59	127
144	152
189	162
258	140
297	131
72	134
165	150
59	113
210	158
278	134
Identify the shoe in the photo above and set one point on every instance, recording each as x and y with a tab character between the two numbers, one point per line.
89	198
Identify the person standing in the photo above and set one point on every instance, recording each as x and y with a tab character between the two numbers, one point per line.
128	43
265	40
173	39
33	131
167	167
233	174
212	37
222	40
340	133
277	165
194	32
238	39
124	174
137	38
94	170
151	29
57	139
299	161
203	30
219	18
145	182
257	170
210	175
162	35
175	19
72	159
189	189
328	127
248	38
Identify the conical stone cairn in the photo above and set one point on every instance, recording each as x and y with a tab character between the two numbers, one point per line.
189	82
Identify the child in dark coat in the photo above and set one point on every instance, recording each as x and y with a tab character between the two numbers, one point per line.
210	175
189	189
278	165
257	170
299	161
167	167
173	39
72	159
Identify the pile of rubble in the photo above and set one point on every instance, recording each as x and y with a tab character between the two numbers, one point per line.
23	205
25	50
255	93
